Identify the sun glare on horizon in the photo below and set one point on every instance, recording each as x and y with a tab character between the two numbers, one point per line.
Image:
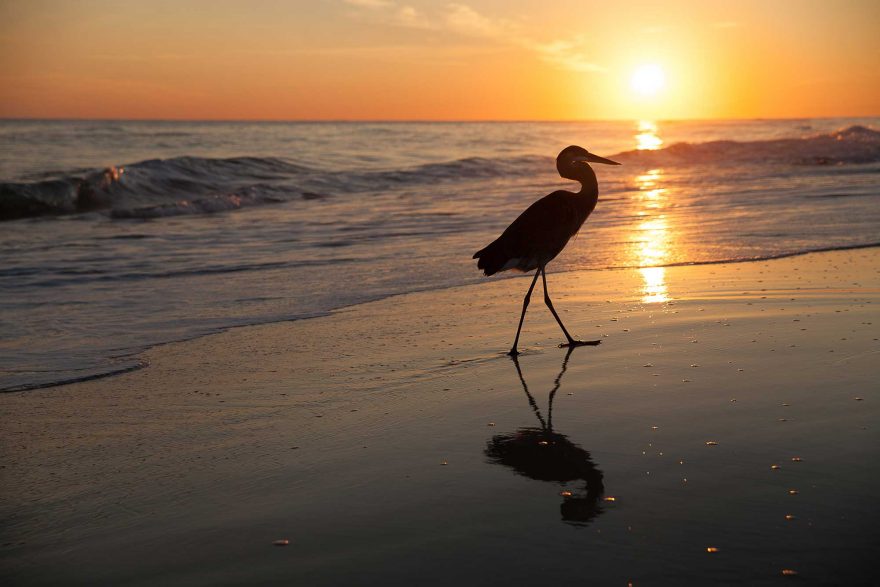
647	80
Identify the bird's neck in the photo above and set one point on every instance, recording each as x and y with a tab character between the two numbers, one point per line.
589	187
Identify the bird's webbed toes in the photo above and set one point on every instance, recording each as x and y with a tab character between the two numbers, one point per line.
574	343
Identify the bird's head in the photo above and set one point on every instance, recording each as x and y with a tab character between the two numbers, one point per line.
572	160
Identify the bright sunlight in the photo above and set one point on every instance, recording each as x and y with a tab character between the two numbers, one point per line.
647	80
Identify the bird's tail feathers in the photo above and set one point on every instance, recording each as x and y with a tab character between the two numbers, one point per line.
491	259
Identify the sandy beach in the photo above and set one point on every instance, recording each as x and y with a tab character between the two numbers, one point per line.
729	407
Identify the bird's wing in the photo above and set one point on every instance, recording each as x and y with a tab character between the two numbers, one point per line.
545	227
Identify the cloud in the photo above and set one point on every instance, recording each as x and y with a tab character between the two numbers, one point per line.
463	20
369	3
410	17
565	54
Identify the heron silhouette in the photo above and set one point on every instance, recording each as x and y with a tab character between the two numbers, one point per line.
542	231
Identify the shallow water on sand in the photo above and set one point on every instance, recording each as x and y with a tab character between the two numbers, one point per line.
108	249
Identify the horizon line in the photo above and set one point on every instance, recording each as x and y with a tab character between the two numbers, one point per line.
417	120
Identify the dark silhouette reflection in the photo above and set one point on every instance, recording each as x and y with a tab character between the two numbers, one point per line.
545	455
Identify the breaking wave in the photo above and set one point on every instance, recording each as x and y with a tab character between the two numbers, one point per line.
198	185
852	145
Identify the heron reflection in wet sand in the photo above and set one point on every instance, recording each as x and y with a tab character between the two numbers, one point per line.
542	231
545	455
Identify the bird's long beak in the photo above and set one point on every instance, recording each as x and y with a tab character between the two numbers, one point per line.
596	159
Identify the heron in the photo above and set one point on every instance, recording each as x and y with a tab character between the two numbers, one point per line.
540	233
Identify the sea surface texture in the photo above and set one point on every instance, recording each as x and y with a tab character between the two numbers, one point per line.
117	236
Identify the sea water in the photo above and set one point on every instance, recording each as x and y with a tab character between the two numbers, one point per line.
118	235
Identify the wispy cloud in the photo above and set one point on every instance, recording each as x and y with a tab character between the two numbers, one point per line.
464	20
369	3
409	17
567	55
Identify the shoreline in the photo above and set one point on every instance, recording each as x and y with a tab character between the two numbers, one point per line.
138	354
362	437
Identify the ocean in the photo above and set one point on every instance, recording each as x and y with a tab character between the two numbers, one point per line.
116	236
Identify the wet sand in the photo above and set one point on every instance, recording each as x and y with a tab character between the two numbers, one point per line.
395	443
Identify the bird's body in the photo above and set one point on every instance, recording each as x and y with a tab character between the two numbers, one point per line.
540	233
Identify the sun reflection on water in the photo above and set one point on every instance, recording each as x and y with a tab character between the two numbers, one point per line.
646	137
653	249
655	285
652	238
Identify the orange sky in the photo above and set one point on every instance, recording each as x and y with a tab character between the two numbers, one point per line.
406	59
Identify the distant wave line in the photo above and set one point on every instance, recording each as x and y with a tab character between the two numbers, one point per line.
104	276
176	186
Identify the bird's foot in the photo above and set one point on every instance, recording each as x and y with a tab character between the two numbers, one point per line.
574	343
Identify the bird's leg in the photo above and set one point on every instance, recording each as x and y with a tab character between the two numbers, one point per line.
571	342
532	401
556	385
513	352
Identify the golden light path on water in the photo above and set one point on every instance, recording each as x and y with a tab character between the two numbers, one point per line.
652	238
646	138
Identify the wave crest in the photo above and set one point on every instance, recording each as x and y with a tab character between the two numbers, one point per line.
198	185
854	144
155	187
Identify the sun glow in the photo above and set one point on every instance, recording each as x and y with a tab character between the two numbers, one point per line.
647	80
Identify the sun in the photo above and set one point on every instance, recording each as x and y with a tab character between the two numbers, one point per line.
647	80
